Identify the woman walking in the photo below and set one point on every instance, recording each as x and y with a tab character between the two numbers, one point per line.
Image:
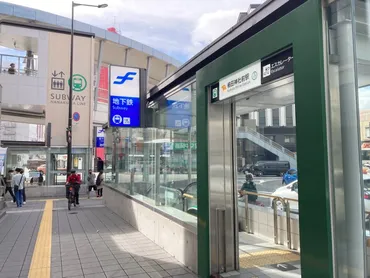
99	183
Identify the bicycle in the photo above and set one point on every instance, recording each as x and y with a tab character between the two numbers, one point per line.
71	197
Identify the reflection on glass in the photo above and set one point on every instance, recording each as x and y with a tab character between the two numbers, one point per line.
158	164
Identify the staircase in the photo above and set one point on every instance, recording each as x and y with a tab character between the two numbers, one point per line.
268	144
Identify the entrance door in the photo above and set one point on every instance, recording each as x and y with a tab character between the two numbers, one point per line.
267	180
254	212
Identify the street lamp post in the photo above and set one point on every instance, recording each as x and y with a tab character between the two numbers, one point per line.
69	128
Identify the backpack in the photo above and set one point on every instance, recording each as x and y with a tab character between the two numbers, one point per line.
98	180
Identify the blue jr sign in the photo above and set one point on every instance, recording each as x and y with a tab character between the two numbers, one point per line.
124	97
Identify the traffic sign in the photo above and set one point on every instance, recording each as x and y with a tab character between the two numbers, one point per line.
76	116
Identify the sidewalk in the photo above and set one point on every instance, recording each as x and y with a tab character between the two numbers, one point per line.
88	241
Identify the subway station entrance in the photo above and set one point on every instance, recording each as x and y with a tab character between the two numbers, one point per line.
263	103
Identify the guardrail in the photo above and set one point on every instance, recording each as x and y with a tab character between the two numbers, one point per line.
22	65
286	208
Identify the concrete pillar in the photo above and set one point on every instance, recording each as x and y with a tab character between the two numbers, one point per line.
293	115
167	70
282	116
353	240
268	116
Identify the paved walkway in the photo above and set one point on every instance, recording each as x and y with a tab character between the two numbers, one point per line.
43	239
263	259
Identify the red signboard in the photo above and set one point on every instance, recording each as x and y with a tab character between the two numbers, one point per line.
103	85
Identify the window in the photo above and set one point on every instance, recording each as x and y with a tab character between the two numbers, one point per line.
271	137
289	139
367	131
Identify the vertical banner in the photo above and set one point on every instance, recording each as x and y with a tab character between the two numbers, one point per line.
100	135
124	97
58	89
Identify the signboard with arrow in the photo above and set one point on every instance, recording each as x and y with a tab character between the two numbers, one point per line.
57	80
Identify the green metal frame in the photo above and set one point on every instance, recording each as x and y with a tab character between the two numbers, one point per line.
301	28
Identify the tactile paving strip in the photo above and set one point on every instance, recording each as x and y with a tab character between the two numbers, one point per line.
267	257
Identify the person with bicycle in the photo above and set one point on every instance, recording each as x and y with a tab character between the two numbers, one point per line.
73	180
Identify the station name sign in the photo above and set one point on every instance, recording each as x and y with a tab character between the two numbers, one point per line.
240	81
254	75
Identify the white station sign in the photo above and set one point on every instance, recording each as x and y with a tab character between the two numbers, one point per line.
240	81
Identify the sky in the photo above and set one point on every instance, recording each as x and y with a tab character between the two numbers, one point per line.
179	28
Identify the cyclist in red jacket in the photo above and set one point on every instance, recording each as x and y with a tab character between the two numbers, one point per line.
74	180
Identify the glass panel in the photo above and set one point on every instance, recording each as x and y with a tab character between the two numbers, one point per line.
269	152
158	165
31	161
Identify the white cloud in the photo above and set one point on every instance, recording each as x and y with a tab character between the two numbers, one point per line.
178	27
210	26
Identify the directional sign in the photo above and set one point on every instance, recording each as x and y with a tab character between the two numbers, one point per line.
124	99
284	267
179	109
100	134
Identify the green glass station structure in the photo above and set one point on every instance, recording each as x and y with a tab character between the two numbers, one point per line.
291	66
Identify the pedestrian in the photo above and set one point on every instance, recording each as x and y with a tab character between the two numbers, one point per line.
24	187
40	179
8	188
91	183
75	181
18	185
99	183
11	69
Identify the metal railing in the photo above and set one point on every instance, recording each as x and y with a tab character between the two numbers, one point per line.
22	65
268	141
286	208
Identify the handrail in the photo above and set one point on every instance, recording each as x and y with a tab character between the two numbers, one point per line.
286	206
188	196
269	196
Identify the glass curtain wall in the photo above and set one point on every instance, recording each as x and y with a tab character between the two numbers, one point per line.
348	65
157	164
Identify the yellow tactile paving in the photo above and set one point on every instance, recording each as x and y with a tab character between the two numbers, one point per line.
266	257
41	259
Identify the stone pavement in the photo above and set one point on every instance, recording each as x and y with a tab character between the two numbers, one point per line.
88	241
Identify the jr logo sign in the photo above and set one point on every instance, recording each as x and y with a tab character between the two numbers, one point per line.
122	79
